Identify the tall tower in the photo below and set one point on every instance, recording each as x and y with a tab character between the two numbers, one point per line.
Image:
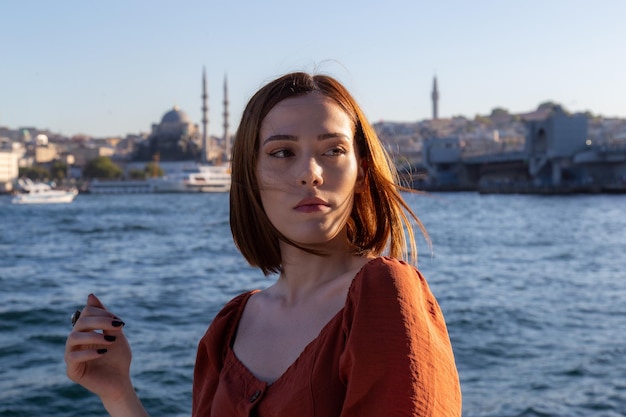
205	119
435	98
226	138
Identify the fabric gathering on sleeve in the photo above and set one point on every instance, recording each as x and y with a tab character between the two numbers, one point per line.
398	360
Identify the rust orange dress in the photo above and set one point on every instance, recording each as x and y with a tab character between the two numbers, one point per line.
385	353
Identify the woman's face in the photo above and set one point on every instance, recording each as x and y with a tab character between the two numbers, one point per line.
308	170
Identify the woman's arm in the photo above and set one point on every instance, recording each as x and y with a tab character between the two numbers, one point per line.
98	356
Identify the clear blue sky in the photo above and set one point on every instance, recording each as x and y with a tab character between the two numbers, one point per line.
115	67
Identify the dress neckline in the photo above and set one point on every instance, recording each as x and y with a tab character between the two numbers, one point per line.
310	346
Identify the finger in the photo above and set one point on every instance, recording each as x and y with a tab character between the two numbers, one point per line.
96	311
92	300
92	323
77	357
94	307
81	339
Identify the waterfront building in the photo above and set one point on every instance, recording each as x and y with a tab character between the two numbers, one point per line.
175	138
551	146
85	152
10	153
188	158
556	156
119	187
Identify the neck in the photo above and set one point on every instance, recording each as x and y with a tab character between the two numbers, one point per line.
304	273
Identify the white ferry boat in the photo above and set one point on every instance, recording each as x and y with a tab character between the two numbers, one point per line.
40	193
202	179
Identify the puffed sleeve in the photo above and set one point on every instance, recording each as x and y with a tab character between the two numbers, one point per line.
210	356
398	360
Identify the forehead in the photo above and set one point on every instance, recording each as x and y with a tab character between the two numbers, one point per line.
313	111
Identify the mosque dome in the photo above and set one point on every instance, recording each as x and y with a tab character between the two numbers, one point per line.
175	116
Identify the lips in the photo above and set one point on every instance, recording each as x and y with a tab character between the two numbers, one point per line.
311	205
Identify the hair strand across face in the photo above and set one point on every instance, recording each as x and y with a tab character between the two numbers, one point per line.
379	216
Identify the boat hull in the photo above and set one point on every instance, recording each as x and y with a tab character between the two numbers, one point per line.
51	197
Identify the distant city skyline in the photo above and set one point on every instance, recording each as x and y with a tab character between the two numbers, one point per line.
111	69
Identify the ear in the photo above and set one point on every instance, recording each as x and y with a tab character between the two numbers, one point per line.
360	177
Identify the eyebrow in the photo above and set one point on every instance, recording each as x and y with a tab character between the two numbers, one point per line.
294	138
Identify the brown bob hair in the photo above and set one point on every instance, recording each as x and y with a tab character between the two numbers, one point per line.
380	216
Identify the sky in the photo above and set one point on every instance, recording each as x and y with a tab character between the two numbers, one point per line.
114	68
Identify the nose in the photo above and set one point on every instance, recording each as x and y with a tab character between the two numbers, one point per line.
311	173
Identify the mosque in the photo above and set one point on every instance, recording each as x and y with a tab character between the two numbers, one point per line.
177	138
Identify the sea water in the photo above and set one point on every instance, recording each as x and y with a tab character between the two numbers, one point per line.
533	289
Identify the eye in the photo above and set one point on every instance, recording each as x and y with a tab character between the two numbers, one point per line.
281	153
335	151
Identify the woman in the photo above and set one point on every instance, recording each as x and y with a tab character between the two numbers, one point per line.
344	331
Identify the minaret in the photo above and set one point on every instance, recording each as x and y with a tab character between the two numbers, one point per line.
435	97
226	138
205	119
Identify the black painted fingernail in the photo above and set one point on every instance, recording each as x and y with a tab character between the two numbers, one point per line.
101	351
117	323
109	338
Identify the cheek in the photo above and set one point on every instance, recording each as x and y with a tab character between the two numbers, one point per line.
269	176
346	176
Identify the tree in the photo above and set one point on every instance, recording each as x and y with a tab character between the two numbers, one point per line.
102	167
137	174
499	112
35	173
483	120
550	106
58	170
153	170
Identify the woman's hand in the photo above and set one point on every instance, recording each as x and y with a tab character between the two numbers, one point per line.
97	353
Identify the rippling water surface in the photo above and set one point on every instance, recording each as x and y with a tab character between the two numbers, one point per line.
533	289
